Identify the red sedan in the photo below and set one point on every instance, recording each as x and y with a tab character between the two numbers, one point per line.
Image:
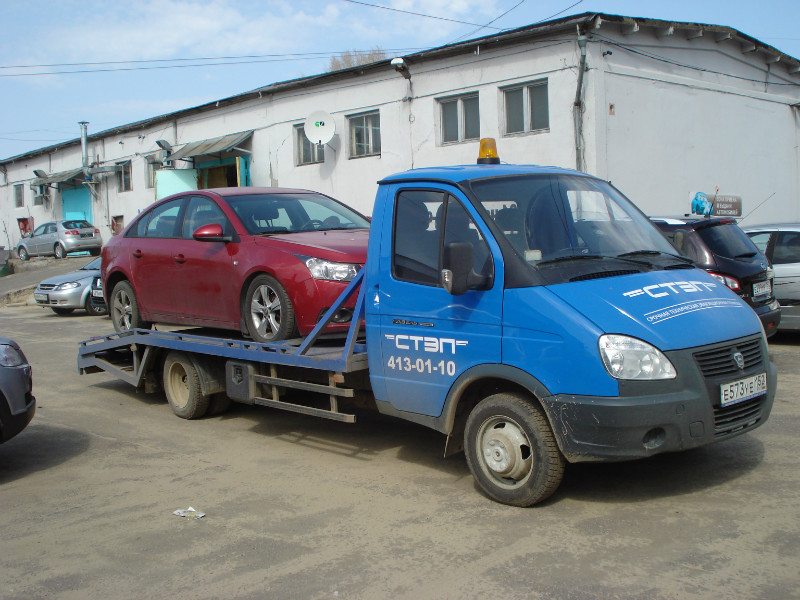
266	261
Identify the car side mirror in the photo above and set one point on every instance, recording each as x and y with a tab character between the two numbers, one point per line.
458	275
211	233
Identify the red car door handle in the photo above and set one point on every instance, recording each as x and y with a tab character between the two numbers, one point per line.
179	258
137	254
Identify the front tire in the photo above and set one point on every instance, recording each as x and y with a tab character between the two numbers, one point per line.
125	309
95	311
268	312
182	387
511	450
59	251
23	254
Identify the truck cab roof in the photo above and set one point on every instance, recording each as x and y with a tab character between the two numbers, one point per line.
460	173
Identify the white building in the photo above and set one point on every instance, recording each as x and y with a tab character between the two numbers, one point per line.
663	110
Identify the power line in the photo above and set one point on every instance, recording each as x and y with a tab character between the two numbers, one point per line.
416	14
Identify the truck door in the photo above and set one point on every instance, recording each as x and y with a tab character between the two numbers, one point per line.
428	337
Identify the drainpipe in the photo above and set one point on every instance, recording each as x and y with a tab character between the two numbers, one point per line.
577	107
84	146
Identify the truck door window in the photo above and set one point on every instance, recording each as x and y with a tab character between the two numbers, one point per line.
425	221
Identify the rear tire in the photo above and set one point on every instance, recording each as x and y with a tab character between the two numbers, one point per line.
182	387
511	450
59	251
95	251
124	308
62	311
23	254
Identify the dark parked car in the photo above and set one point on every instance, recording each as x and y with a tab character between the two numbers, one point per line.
266	261
17	403
781	244
719	246
59	238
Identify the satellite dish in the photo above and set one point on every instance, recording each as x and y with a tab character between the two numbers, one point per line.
319	127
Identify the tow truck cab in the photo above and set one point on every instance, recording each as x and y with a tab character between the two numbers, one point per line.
498	285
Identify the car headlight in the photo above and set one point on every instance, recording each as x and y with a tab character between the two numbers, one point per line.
68	286
10	356
628	358
332	271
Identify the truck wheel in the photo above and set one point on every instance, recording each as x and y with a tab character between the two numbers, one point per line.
59	251
511	450
268	311
23	254
182	386
125	309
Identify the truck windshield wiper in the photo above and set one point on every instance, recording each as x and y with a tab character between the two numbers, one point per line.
592	256
656	252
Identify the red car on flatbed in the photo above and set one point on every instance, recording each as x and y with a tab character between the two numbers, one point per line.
266	261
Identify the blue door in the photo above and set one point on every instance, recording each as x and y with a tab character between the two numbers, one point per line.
428	337
76	203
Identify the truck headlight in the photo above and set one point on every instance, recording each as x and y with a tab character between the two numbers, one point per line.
332	271
10	356
628	358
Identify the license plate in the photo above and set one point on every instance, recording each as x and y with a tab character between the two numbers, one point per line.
97	293
743	389
41	297
762	287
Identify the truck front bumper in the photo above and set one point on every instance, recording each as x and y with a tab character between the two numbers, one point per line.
669	416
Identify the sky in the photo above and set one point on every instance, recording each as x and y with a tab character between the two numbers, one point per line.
152	57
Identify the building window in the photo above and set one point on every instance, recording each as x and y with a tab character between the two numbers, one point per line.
42	196
365	134
152	165
19	196
124	177
526	108
460	119
308	153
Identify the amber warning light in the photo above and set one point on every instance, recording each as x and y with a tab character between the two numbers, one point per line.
487	153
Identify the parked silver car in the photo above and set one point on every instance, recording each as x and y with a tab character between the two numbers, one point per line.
781	245
59	238
64	293
17	403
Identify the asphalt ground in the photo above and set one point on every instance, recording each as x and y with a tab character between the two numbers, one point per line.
298	507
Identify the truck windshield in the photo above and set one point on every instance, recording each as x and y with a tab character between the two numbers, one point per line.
551	219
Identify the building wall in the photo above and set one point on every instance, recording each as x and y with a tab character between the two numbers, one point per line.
658	131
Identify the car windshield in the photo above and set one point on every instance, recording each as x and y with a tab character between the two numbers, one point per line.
293	212
93	265
76	224
726	239
555	219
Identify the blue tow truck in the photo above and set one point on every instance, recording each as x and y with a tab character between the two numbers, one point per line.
531	314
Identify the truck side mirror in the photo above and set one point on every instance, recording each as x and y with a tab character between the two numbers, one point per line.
457	268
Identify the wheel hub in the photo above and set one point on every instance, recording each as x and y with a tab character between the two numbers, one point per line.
506	451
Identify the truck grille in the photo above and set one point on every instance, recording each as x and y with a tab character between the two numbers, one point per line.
737	417
719	361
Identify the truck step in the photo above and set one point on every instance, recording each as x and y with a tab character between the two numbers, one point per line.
306	410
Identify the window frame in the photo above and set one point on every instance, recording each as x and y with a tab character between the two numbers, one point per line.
458	100
19	195
351	128
527	107
124	179
302	143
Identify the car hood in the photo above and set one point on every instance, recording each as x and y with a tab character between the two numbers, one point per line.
73	276
670	309
339	245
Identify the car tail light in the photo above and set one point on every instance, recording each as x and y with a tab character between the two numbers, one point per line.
72	232
729	281
97	231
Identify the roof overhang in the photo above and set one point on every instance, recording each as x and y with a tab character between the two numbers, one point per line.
216	145
60	177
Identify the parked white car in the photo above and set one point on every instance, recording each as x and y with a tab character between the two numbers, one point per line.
781	245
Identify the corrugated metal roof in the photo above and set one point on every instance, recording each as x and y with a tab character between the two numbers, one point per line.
57	177
211	146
